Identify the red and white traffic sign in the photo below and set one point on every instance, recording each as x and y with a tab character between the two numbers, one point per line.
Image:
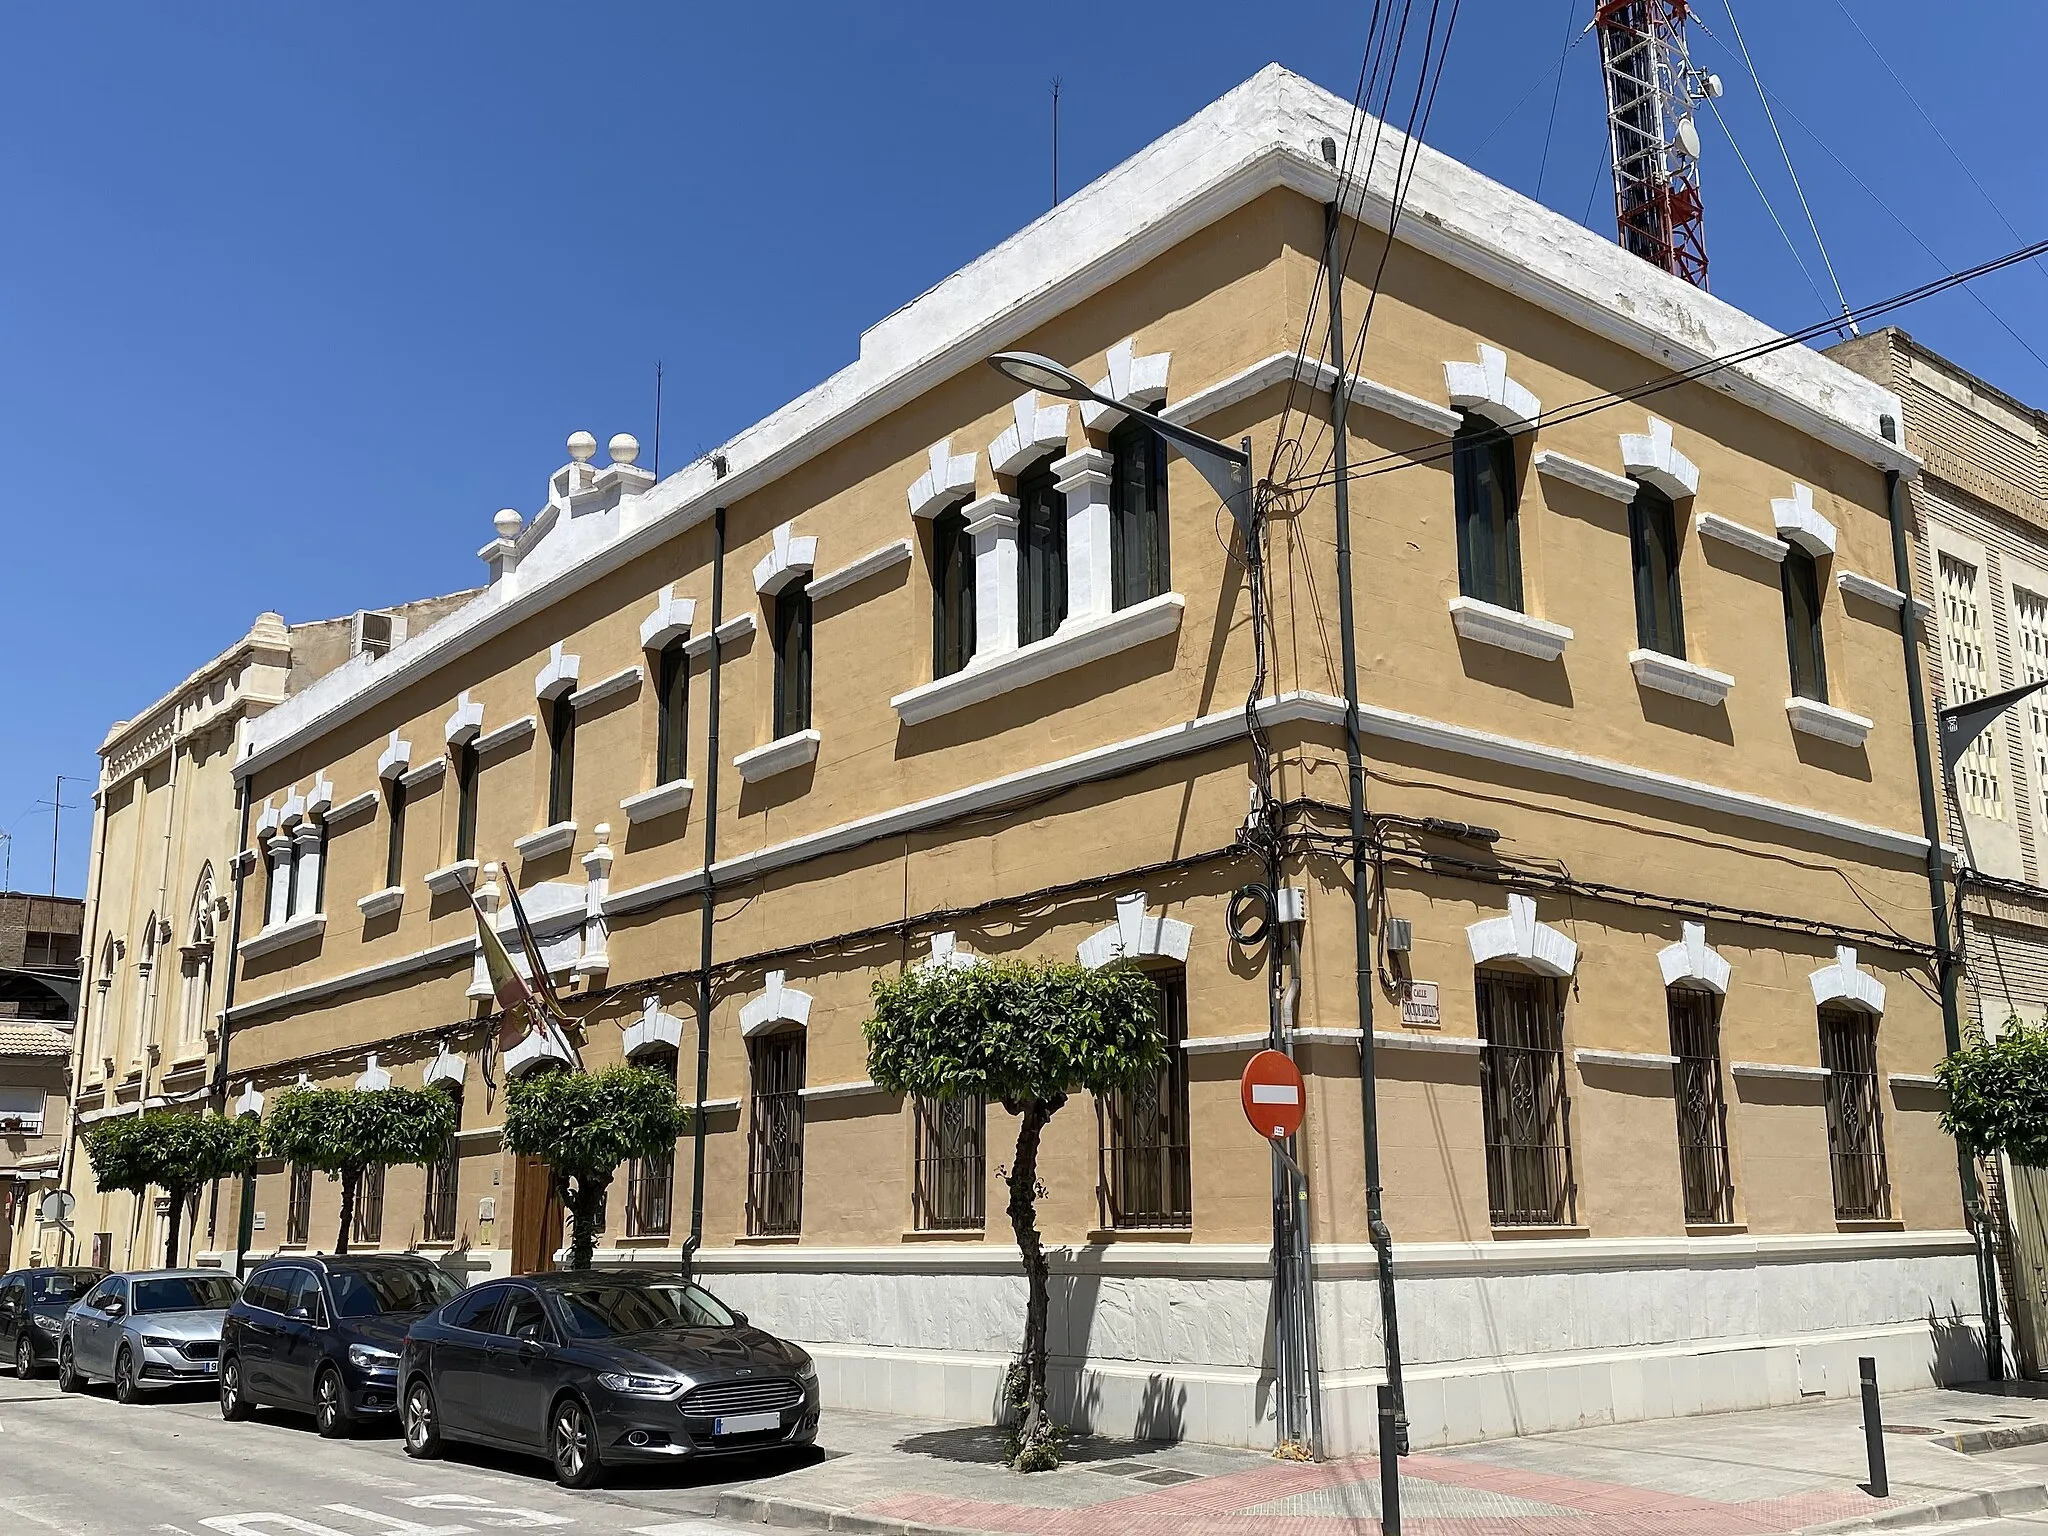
1275	1098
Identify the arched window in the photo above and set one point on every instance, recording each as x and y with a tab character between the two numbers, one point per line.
775	1134
672	720
793	659
952	593
104	1035
952	1164
1138	548
465	800
437	1224
1653	547
650	1181
394	837
1147	1176
561	760
1041	554
1848	1049
197	992
1488	505
1695	1018
1800	578
1523	1098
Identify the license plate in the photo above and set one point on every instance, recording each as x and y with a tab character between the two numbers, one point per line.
745	1423
211	1366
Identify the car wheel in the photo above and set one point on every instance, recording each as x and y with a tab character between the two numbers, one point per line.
24	1357
125	1390
422	1423
330	1410
68	1379
234	1405
572	1442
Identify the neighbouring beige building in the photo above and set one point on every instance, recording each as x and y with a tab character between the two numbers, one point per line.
39	948
971	679
160	895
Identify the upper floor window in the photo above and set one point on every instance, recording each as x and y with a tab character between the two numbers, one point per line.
1966	675
465	800
1653	543
1139	567
394	834
672	723
1041	555
2030	625
952	593
561	760
1488	508
793	659
1801	580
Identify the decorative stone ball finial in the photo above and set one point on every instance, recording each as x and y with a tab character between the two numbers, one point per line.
581	446
507	522
624	448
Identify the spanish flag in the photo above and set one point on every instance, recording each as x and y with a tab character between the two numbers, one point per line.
514	998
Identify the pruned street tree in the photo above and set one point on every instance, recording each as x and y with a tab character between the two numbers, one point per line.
1024	1034
173	1151
1998	1095
348	1131
584	1125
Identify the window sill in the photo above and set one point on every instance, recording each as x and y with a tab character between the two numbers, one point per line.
1684	679
550	839
1073	644
378	903
1716	1228
1488	624
1142	1235
459	876
295	931
945	1234
1648	1060
662	800
768	1239
1784	1071
1870	1224
778	756
1510	1234
1813	718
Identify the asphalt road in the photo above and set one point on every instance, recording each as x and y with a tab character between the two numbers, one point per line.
83	1465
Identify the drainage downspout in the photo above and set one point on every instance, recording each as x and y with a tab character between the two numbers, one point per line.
245	1223
1354	762
1947	971
707	898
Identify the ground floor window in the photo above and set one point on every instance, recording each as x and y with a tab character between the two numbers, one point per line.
952	1166
1522	1095
298	1206
437	1220
1848	1049
367	1227
1702	1109
650	1181
1146	1179
775	1141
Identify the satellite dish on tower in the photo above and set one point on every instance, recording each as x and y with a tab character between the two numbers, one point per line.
1689	137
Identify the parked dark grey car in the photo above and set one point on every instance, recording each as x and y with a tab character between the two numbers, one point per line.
32	1307
597	1368
151	1328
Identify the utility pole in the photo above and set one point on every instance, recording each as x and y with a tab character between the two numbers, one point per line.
1055	141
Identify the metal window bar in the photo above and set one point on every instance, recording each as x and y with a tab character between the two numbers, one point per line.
438	1219
650	1191
1702	1107
1848	1049
952	1164
1522	1091
775	1140
298	1208
367	1224
1146	1178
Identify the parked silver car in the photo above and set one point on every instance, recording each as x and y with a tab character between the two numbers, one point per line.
150	1328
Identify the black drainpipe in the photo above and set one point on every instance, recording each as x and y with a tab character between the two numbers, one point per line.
707	898
1354	761
218	1094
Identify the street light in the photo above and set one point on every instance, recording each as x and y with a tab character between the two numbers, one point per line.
1228	470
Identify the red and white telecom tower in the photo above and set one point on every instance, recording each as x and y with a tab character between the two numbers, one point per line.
1651	91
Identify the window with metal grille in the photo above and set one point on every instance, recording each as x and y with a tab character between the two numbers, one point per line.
672	722
1653	549
793	659
2030	610
1965	676
1702	1108
465	801
650	1181
1848	1049
1041	555
952	593
561	760
1800	579
1488	502
1522	1094
298	1206
367	1225
1146	1179
437	1221
775	1140
952	1170
394	831
1138	549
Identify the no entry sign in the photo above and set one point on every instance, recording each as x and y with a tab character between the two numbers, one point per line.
1274	1100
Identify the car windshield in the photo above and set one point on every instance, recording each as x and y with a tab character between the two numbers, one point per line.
61	1287
601	1310
368	1292
183	1293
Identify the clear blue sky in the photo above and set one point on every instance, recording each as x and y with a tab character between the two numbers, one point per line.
293	297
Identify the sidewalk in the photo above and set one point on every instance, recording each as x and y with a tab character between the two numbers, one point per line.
1773	1470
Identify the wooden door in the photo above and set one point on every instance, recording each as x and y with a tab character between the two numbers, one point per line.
536	1218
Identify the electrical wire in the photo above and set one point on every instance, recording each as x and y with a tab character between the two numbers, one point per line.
1571	14
1765	198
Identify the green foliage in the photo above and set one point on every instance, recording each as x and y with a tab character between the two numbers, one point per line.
583	1125
1013	1031
344	1130
170	1150
1998	1095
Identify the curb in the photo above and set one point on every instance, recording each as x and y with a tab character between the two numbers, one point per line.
1993	1503
802	1515
1976	1441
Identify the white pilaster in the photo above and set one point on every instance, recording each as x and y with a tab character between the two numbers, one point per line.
279	849
487	899
992	524
597	885
306	878
1084	481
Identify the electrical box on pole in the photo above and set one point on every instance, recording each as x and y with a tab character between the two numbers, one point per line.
1651	91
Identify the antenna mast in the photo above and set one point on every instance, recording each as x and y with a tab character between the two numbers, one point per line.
1651	91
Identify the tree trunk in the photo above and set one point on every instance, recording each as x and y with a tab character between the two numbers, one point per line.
351	1178
177	1198
586	1203
1024	1222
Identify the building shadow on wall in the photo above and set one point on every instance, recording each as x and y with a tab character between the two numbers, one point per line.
1958	1348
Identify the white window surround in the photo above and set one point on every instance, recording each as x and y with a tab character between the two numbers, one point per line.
1810	717
505	735
378	903
1651	1060
789	559
654	1030
605	687
1916	1081
732	629
557	675
465	723
459	876
1652	458
1847	983
1488	624
1587	477
1798	522
445	1068
549	839
1035	431
1521	939
1778	1069
1711	525
778	1004
1692	959
374	1078
1071	645
1485	390
670	620
424	773
395	759
778	756
350	808
948	955
250	1101
867	565
1132	380
855	1090
540	1046
1679	677
948	479
1134	935
662	800
1401	405
292	931
1870	591
1084	483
